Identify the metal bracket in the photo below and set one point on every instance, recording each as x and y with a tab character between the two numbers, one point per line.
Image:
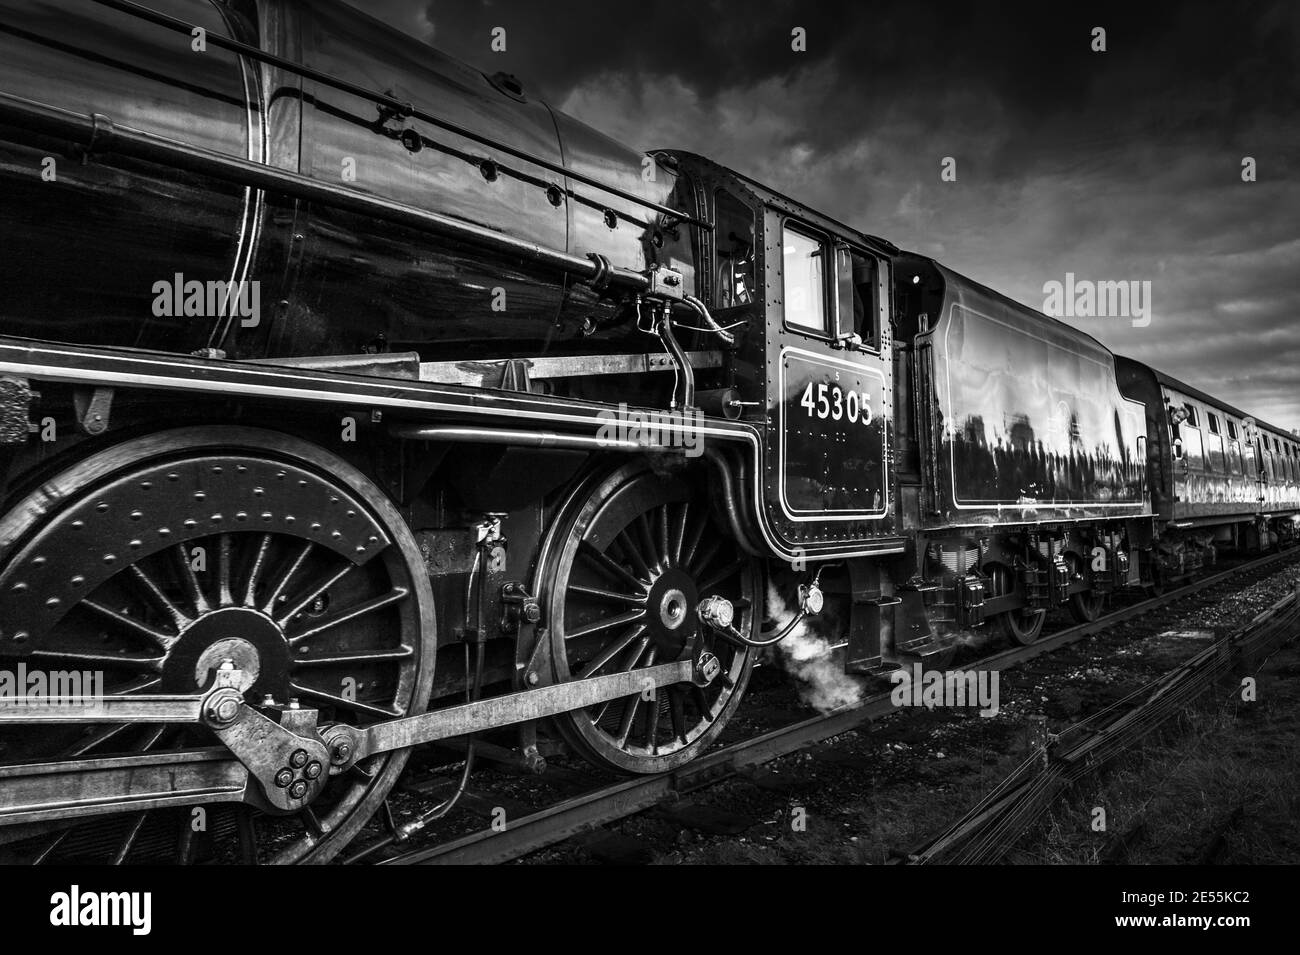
93	407
290	768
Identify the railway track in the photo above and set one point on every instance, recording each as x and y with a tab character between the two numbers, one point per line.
605	804
993	825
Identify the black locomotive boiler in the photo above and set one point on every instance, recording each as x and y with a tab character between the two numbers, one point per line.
351	400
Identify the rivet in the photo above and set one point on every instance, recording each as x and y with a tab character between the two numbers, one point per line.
38	562
102	506
110	558
136	515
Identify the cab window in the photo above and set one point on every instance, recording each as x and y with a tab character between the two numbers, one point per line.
803	277
857	293
733	231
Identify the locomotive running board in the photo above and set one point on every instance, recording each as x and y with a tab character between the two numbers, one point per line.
78	788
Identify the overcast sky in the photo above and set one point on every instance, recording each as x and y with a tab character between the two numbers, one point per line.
1116	165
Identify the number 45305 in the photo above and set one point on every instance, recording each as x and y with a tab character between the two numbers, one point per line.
831	401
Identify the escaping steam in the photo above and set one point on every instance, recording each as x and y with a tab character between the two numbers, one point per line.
807	656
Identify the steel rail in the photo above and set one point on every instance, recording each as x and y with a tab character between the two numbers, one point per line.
993	825
586	811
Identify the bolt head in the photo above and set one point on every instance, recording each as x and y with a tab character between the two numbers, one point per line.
342	752
298	790
312	770
284	777
227	709
298	758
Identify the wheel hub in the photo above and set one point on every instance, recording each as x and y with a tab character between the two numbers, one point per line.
259	650
671	622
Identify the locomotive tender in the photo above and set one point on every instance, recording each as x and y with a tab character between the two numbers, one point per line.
318	353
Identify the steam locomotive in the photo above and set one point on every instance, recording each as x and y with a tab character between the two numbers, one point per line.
352	399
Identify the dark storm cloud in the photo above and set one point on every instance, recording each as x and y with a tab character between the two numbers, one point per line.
1115	165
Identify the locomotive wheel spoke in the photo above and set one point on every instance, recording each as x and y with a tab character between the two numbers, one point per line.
294	615
50	845
652	725
255	572
677	714
598	662
132	833
707	586
123	661
224	546
164	603
679	532
665	545
630	616
609	566
351	614
611	596
163	641
318	589
354	657
640	523
702	560
687	557
191	581
356	706
274	596
649	553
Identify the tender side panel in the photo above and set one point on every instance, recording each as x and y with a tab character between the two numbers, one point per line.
1031	424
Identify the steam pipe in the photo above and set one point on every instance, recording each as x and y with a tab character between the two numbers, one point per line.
684	369
703	311
732	506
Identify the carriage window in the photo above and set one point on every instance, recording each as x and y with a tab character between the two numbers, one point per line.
733	230
1192	418
804	280
1214	423
857	295
1232	430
